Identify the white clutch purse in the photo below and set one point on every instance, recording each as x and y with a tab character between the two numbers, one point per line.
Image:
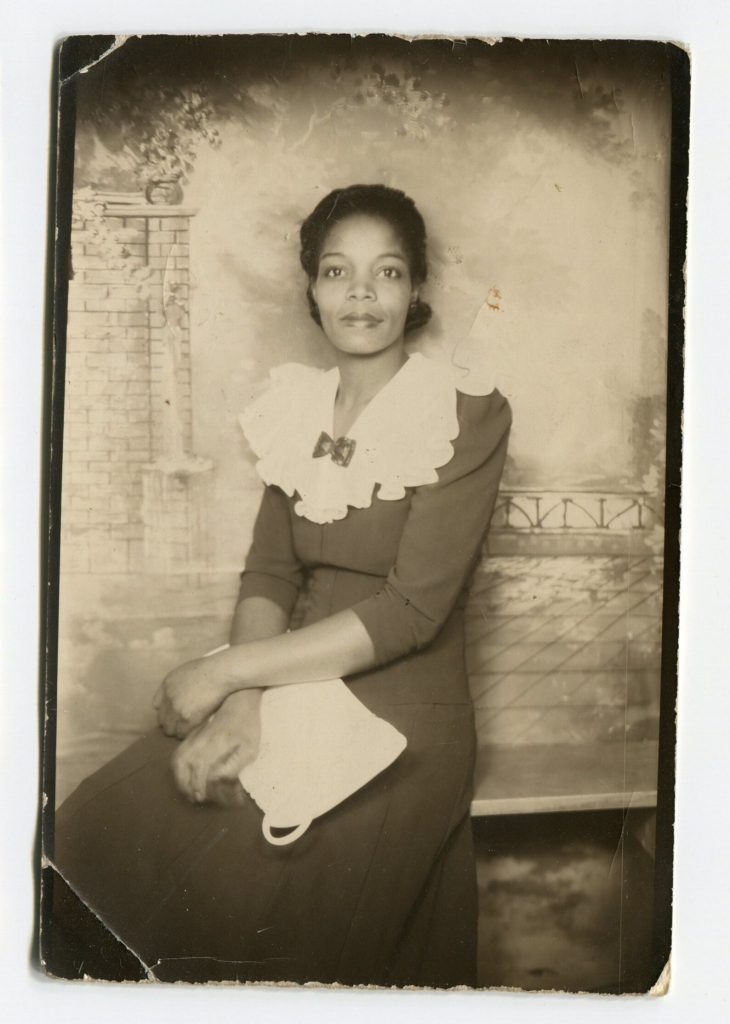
319	745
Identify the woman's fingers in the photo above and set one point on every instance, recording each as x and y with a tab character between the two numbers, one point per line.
207	763
171	722
181	772
167	719
198	778
188	764
182	727
163	719
237	755
194	760
226	792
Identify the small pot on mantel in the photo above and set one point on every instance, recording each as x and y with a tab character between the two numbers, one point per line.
164	190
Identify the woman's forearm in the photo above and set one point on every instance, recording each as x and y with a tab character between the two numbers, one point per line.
337	646
254	618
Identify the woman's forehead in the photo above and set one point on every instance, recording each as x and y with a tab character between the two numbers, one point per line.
363	231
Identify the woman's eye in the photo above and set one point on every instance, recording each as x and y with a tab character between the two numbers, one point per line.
391	272
334	272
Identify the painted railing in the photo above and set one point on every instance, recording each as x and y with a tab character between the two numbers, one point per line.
562	511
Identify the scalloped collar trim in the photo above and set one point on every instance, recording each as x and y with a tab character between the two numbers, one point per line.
404	435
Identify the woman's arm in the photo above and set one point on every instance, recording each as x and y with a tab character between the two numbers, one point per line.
337	646
439	548
254	618
257	618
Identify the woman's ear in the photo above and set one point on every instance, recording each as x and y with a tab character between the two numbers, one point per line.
312	303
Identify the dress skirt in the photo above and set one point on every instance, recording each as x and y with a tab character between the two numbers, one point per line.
381	890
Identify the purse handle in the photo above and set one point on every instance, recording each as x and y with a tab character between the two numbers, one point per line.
283	840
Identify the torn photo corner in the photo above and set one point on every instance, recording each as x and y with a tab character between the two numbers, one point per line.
442	289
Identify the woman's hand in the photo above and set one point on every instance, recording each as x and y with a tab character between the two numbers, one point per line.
189	694
207	764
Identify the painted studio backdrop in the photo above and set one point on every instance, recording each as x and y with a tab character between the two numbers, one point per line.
542	172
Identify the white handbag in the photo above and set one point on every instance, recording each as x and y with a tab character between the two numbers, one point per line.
319	745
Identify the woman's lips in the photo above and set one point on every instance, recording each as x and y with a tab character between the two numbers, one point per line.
362	319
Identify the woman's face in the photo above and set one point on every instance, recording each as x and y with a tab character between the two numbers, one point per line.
363	286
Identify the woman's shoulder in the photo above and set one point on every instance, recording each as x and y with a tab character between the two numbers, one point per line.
484	425
433	430
481	412
483	429
479	404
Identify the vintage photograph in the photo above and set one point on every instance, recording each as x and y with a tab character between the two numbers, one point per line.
364	511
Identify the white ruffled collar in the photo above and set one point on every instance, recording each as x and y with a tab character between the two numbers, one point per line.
402	437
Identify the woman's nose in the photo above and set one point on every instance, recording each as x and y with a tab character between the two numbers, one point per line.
361	287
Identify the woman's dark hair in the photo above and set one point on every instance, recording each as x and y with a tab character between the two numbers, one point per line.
390	205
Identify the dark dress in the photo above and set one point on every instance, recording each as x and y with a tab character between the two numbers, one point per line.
382	889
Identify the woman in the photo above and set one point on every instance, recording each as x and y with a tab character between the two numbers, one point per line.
380	482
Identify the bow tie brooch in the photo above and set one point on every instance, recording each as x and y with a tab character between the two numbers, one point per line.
340	451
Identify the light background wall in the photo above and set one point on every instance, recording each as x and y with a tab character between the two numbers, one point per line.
542	173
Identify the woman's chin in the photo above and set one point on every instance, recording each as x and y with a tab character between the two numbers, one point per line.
363	343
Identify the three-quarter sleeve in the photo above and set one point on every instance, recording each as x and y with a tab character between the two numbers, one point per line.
272	567
443	536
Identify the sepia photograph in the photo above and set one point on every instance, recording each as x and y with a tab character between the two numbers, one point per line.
363	511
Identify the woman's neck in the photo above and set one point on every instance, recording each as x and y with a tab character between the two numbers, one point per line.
361	378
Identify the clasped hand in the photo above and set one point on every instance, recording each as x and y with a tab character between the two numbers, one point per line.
220	732
207	764
188	695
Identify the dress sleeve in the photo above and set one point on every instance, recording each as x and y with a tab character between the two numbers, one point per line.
272	567
443	535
